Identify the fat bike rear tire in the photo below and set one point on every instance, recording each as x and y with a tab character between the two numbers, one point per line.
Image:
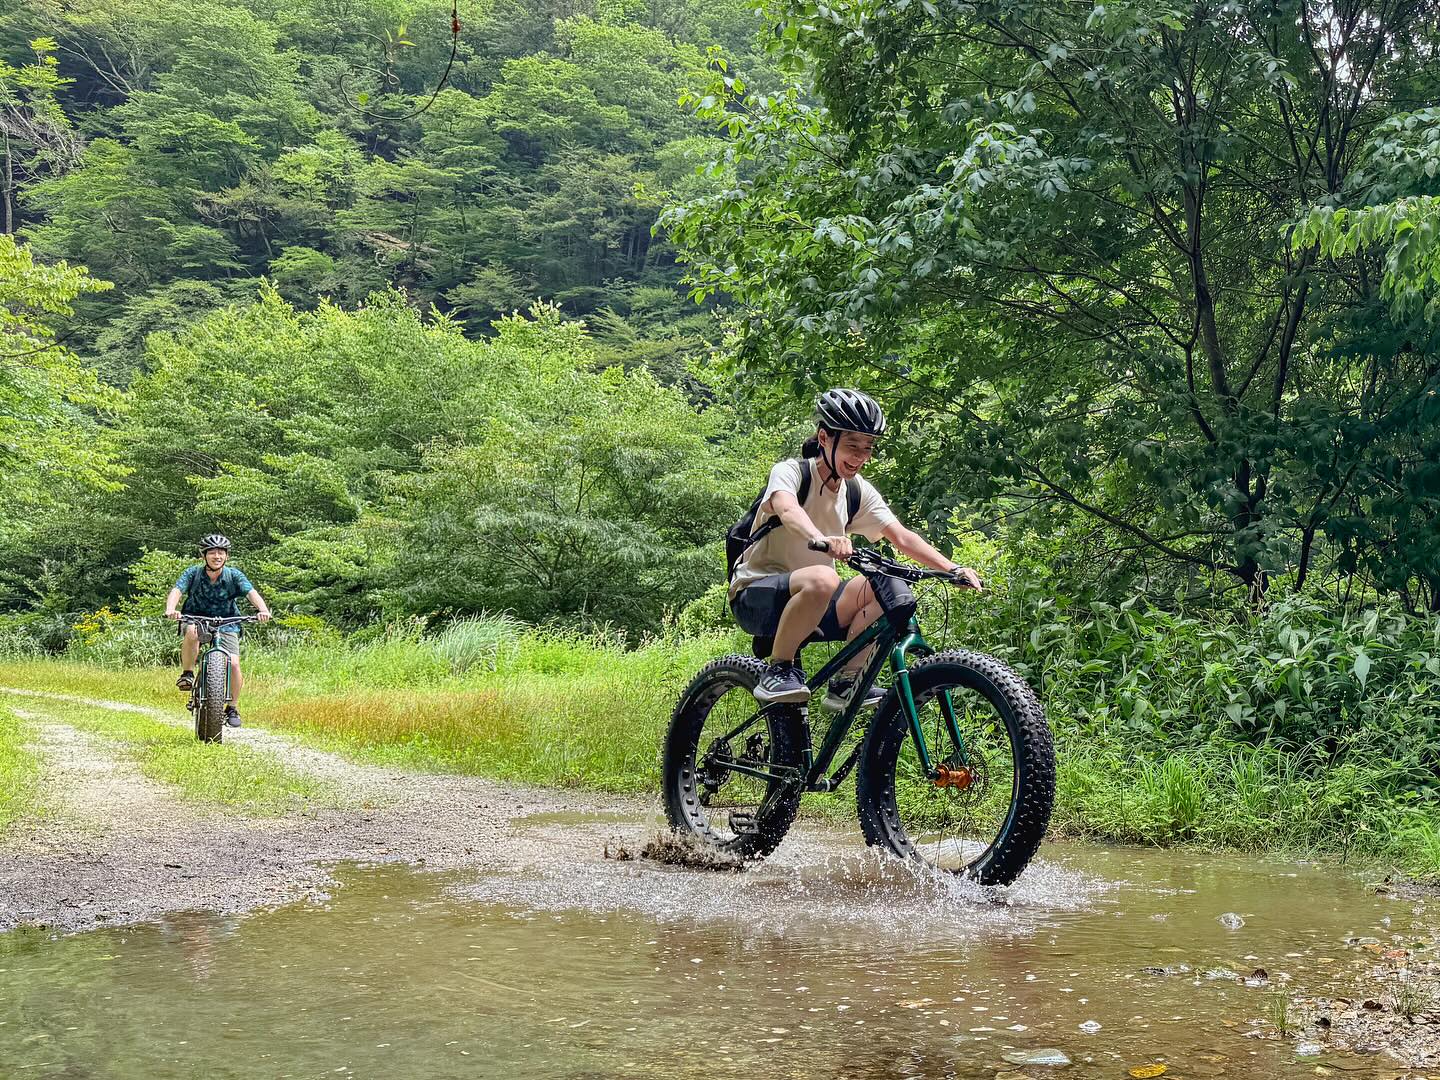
708	802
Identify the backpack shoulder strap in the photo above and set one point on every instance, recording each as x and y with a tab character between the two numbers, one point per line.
803	491
852	499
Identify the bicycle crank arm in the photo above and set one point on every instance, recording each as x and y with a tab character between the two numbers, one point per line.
786	776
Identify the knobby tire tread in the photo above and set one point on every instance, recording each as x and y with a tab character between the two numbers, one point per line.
787	748
210	718
1031	744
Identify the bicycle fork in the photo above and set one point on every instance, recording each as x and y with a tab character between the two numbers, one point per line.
947	774
197	699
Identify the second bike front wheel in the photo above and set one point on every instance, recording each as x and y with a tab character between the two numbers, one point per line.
210	716
981	807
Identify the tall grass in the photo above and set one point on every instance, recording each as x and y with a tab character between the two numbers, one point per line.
482	696
546	707
1300	725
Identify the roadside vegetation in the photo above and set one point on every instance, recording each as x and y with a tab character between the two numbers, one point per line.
1294	730
235	777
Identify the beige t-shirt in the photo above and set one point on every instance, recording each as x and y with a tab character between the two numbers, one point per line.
782	550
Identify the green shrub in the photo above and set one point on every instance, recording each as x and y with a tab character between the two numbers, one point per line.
111	640
707	614
32	634
484	641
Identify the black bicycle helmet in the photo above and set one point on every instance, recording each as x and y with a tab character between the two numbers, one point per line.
849	410
214	540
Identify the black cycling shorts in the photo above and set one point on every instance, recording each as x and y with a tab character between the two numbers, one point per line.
758	606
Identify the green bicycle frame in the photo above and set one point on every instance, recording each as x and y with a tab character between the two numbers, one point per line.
205	650
892	646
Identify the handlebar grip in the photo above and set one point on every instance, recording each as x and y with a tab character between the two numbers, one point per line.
818	545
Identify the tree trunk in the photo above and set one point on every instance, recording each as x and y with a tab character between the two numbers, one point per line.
9	188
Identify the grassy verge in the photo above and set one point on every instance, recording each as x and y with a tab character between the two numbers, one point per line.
235	777
153	687
577	712
1243	798
559	712
19	770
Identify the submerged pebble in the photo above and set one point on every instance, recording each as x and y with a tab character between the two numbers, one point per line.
1045	1056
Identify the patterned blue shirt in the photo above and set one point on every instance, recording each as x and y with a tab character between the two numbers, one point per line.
215	599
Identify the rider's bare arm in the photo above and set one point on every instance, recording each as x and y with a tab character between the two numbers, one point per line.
172	604
786	507
262	610
915	546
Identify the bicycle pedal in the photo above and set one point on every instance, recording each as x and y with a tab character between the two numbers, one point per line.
742	823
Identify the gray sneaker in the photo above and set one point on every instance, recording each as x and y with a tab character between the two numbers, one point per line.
782	682
842	687
232	716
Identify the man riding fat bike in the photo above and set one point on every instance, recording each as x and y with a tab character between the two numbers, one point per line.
210	589
783	589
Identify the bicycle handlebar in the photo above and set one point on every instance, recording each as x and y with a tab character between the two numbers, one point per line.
871	563
217	618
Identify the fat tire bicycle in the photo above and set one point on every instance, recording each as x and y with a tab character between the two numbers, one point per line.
956	766
211	692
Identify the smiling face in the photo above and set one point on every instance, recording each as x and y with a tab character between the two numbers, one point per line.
850	451
215	558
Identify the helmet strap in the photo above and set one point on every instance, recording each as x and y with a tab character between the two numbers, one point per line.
834	449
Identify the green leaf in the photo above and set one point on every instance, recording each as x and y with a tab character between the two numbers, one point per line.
1362	667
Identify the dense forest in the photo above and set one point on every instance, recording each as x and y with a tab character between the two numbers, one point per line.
299	225
1149	290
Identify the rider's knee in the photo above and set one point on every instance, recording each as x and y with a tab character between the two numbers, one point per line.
191	633
821	580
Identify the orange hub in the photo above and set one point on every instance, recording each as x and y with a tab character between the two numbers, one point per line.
960	777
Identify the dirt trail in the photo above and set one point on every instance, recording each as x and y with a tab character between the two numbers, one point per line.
357	779
117	847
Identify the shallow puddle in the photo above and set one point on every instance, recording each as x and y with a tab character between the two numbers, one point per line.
823	962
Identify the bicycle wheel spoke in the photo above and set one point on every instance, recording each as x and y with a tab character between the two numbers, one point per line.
732	798
953	814
719	740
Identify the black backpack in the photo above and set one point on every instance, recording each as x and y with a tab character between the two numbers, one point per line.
740	538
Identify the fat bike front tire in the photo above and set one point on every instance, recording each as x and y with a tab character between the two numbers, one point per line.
982	807
210	716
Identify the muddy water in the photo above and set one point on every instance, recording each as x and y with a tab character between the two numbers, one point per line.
823	962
